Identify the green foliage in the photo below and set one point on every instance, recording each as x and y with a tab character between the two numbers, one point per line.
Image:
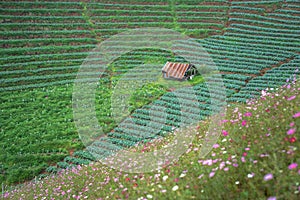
44	46
146	94
236	167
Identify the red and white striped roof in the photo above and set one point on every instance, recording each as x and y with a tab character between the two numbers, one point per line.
175	70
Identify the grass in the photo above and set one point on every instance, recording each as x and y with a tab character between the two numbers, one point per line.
256	157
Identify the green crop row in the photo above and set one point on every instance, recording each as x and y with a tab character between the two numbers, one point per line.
29	4
287	16
48	49
224	41
263	23
249	36
47	41
289	46
35	11
108	25
52	63
42	18
132	18
105	12
51	77
255	16
132	6
261	33
43	25
291	6
249	50
47	84
256	2
41	57
26	33
248	8
288	11
259	28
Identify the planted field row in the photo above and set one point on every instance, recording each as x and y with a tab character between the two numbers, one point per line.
256	2
42	11
284	16
263	23
48	49
37	64
13	43
261	33
48	4
265	18
232	43
272	79
248	36
291	12
275	30
242	47
31	18
288	46
47	84
41	57
46	78
245	8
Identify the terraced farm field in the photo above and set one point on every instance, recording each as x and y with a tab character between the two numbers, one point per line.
254	44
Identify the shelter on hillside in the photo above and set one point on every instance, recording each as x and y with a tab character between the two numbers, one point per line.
179	71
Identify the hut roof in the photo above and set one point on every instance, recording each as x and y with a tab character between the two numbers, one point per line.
175	70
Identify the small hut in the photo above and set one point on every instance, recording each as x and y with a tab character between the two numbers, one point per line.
179	71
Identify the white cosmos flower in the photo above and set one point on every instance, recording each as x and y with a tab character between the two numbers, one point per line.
250	175
175	188
165	178
182	175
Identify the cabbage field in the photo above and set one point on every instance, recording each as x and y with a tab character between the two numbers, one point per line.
254	44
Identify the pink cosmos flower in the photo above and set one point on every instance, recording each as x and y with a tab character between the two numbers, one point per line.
291	98
6	194
296	115
248	114
244	122
208	162
291	131
225	133
224	121
271	198
293	166
216	146
222	165
211	174
243	159
292	139
292	124
199	177
268	177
